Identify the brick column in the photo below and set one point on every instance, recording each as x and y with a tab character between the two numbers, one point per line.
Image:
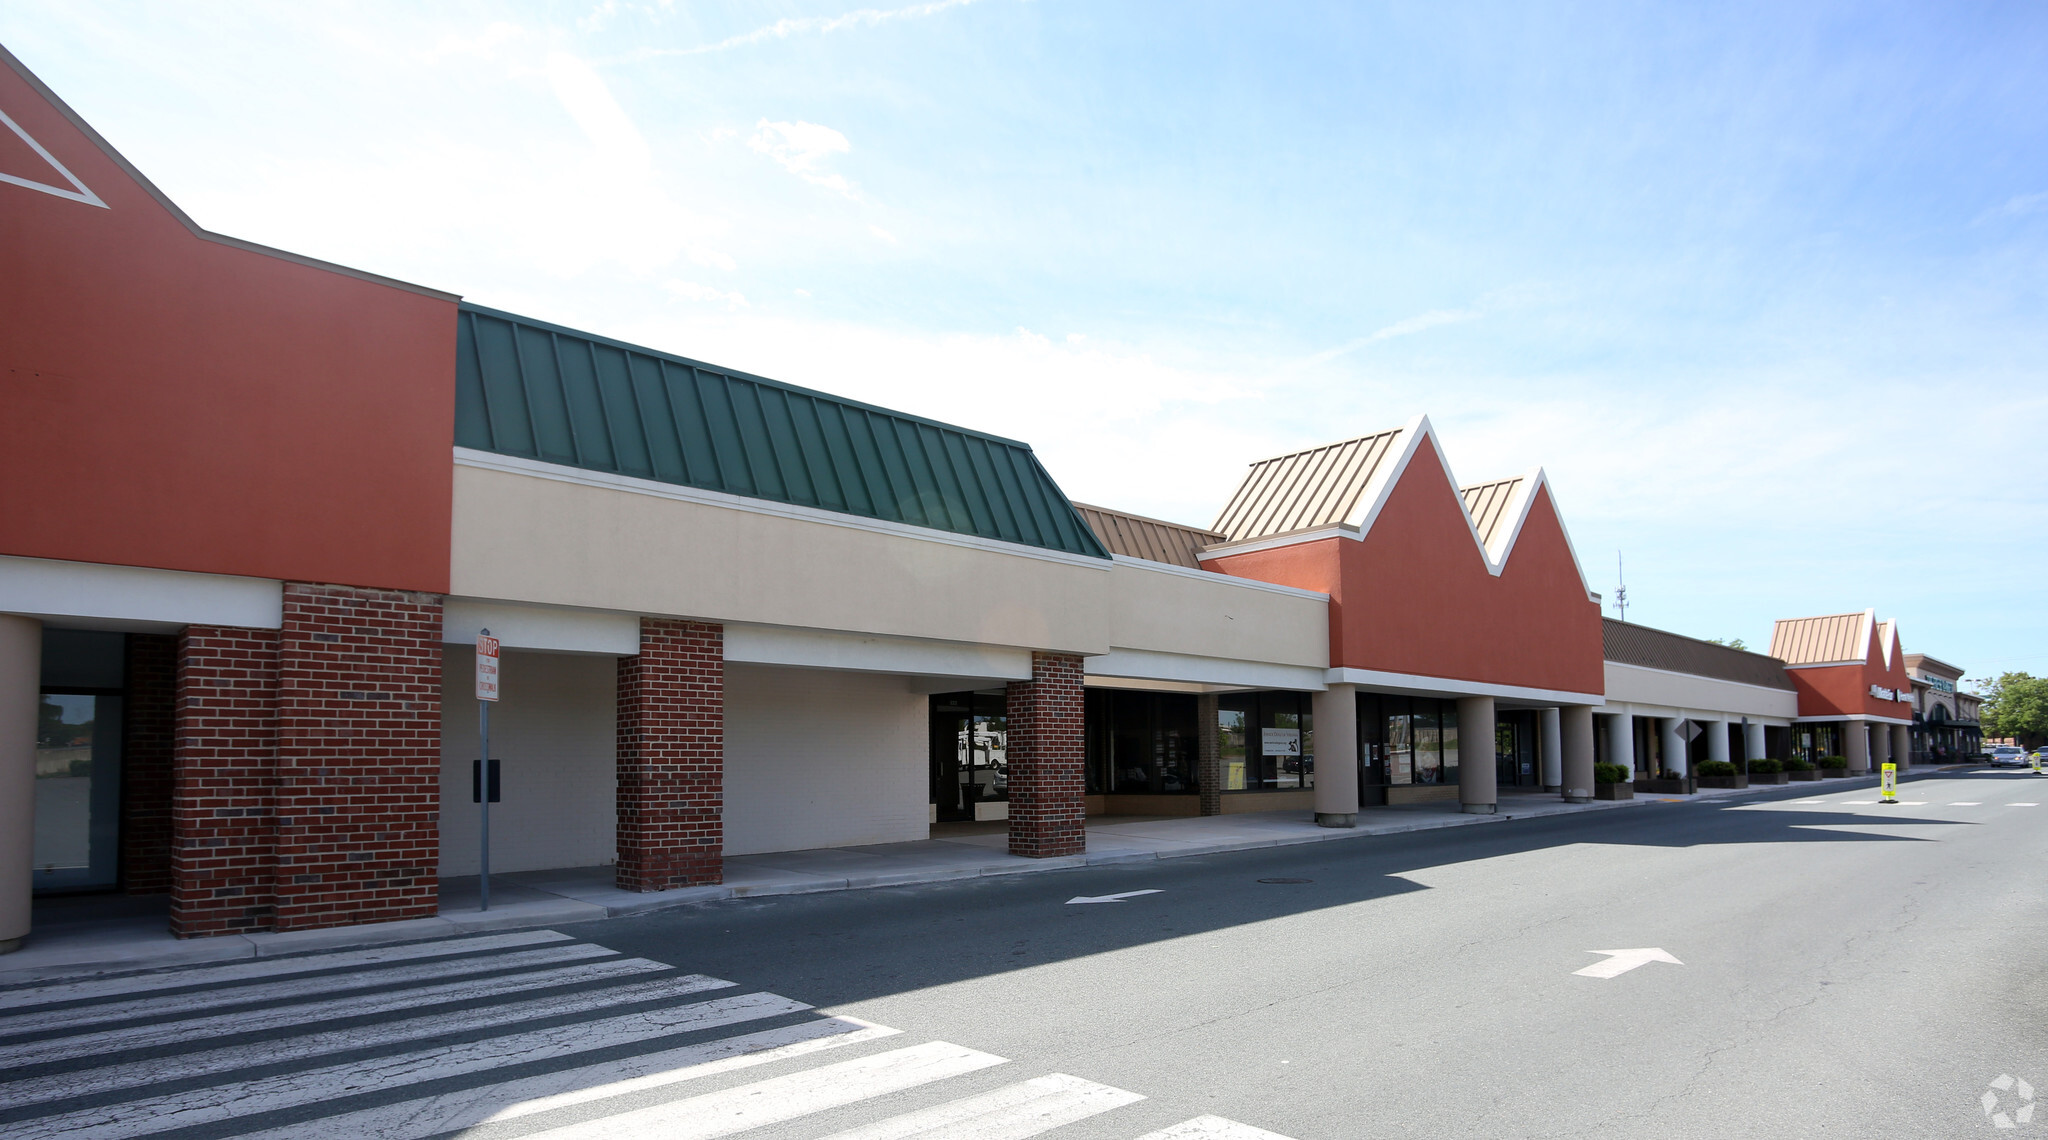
671	757
223	783
149	731
1046	757
358	756
1208	755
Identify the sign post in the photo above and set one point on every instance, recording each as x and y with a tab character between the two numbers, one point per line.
486	782
1889	783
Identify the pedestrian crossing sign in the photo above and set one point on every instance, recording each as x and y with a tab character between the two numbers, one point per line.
1889	783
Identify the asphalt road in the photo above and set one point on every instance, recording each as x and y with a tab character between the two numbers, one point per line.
1848	970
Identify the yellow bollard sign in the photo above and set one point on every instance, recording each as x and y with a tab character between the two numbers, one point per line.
1889	784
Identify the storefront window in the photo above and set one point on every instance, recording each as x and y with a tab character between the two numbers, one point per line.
1409	740
1141	743
1233	713
1267	741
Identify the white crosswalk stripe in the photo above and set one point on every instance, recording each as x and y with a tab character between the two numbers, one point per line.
1008	1113
266	968
487	1056
178	1005
218	1025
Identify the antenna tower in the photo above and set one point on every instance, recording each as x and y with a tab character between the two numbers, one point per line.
1620	590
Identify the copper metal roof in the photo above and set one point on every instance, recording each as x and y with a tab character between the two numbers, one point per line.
1135	536
1822	640
1320	487
1487	503
1628	644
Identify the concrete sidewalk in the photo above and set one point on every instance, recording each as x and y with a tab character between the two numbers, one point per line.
111	933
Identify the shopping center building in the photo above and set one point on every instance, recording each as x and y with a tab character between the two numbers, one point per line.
259	509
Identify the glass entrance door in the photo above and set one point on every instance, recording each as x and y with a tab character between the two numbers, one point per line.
969	764
78	791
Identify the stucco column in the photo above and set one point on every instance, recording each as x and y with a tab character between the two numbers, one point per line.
21	680
1208	756
1902	747
1576	728
1856	746
1673	745
1478	793
1621	742
1880	746
1753	741
1336	726
1551	737
1717	739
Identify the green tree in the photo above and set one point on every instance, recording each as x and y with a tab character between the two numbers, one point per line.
1733	643
2016	705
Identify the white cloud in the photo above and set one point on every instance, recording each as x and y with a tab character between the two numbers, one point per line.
802	148
813	26
1420	323
879	232
2019	205
692	291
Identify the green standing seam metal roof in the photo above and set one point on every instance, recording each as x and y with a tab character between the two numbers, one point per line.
540	391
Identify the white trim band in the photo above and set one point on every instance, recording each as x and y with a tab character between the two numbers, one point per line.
100	592
1451	687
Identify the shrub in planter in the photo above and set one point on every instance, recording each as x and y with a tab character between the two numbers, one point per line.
1834	763
1611	774
1797	765
1716	768
1757	767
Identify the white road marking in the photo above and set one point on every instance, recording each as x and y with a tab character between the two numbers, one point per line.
239	1099
1009	1113
1810	801
1620	962
1859	803
1212	1128
228	1058
266	968
306	1013
1967	803
1112	898
175	1005
782	1098
2023	805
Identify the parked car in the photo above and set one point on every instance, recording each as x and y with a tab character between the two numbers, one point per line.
2008	756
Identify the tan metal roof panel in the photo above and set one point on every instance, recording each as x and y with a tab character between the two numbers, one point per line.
1305	490
1628	644
1135	536
1487	503
1815	640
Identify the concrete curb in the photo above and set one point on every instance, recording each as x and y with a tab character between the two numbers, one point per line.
33	963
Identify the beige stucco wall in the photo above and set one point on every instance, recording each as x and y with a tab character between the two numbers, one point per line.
525	538
822	758
1157	610
1635	685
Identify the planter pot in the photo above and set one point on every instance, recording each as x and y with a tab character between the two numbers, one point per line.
1809	774
1768	777
1724	781
1682	787
1614	791
1834	773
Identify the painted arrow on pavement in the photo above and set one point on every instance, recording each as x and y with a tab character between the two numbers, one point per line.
1622	961
1110	898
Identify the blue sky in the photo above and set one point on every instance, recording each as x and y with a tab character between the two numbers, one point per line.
1762	286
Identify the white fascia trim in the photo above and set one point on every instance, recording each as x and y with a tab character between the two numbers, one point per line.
1703	677
1450	687
1214	576
1908	721
558	629
491	461
1699	716
1150	665
53	590
1277	541
1826	664
871	653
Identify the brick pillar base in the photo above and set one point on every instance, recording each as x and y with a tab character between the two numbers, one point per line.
148	740
358	756
1208	755
671	758
1046	760
224	773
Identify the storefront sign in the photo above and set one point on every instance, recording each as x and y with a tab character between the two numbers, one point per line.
1884	694
1938	684
1280	741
